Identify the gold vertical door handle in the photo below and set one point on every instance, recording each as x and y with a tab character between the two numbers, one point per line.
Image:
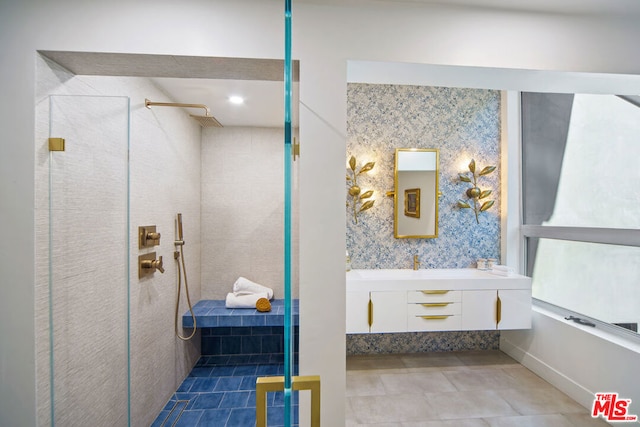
268	384
498	311
370	312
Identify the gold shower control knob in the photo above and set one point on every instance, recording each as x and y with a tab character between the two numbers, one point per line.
153	236
155	264
158	264
148	237
148	264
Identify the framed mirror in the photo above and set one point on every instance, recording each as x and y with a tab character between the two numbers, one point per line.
415	197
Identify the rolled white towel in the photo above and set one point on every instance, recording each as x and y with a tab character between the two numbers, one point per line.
501	270
243	299
246	285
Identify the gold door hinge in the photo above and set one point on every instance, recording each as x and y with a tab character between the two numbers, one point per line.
56	144
295	149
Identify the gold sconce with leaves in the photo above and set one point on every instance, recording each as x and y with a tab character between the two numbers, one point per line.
475	193
358	202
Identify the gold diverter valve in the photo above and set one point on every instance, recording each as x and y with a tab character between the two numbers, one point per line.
148	264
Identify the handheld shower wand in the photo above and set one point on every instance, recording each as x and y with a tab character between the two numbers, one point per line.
178	255
180	240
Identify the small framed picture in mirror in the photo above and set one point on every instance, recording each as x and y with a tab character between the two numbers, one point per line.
412	202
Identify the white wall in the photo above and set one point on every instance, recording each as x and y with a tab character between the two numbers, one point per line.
243	209
90	308
84	204
412	33
165	180
578	360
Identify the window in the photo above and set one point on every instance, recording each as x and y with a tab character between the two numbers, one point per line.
581	200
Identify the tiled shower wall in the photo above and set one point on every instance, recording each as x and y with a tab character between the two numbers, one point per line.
165	179
243	209
461	123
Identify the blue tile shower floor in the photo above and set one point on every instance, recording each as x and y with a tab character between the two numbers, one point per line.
220	391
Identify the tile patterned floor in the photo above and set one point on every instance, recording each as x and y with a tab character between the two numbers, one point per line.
220	392
461	389
450	389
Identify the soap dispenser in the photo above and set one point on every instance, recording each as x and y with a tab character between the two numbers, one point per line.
348	262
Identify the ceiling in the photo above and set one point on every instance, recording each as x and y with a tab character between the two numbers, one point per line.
263	100
575	7
200	80
210	81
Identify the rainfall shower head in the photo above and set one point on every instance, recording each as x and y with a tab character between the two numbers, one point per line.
205	121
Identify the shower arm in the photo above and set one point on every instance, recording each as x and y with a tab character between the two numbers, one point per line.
148	104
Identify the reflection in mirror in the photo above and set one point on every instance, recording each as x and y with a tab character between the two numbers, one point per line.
416	193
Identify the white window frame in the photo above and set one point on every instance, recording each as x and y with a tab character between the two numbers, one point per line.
611	236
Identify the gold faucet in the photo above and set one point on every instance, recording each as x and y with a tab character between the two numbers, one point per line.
416	263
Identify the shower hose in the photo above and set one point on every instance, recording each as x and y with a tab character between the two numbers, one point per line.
179	257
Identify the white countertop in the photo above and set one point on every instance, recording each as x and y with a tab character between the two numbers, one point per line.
432	279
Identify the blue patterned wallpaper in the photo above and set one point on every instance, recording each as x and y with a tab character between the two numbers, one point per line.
462	124
418	342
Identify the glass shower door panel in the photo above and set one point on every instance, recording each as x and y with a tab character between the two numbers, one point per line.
288	226
89	261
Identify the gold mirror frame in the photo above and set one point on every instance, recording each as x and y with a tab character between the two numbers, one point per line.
417	201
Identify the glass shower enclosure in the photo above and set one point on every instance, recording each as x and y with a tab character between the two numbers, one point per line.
90	242
89	261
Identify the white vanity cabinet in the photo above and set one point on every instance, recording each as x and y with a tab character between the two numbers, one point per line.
497	309
383	311
516	309
358	312
388	311
436	300
480	309
434	310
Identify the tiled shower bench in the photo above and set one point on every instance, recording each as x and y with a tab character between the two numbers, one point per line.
213	313
238	346
242	331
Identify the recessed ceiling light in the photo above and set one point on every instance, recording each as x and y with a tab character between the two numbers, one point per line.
236	99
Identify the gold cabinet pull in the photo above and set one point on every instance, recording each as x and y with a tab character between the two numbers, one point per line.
370	313
440	317
435	292
436	304
498	310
